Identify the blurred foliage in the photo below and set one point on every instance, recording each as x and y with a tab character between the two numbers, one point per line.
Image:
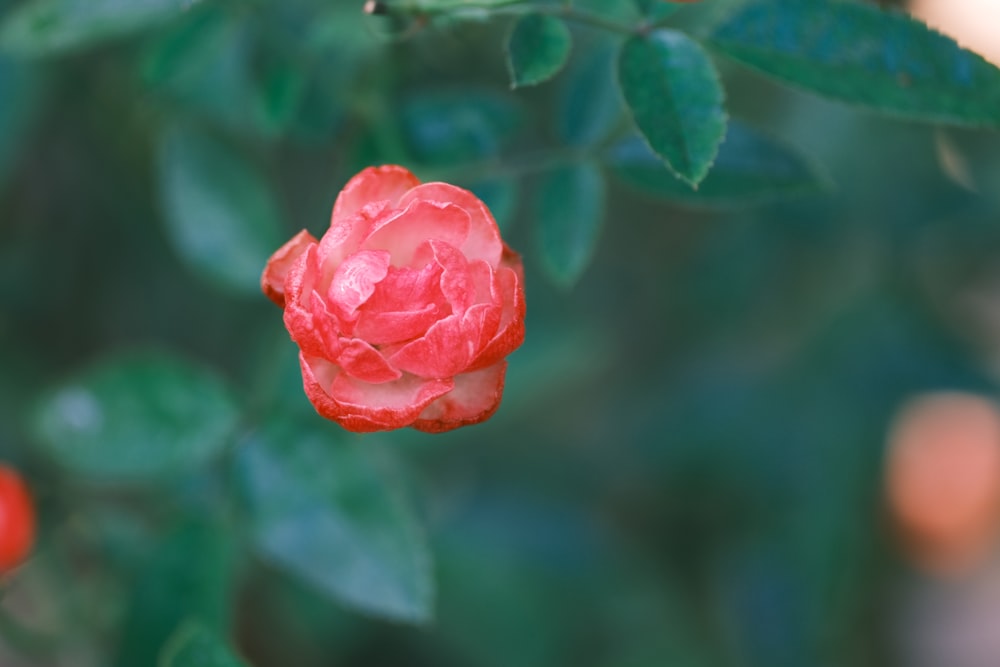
722	318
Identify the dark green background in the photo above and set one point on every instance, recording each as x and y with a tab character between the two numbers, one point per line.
686	469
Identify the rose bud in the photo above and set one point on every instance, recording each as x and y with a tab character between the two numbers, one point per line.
405	309
17	519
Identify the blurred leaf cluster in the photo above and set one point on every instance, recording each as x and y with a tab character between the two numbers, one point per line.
731	284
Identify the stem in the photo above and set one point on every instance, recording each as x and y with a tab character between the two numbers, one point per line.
584	16
519	7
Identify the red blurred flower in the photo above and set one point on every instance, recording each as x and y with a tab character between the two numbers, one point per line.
406	308
17	519
943	479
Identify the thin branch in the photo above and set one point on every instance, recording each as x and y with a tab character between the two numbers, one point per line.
509	7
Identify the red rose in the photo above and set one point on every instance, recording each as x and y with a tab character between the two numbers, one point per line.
405	309
17	519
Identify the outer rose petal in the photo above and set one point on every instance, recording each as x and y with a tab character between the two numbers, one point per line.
483	241
272	280
363	407
474	399
324	327
374	184
511	330
300	311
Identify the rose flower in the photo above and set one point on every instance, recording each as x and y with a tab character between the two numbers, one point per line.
405	309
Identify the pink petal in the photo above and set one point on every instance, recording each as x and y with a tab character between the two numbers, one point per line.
456	281
484	279
363	362
483	240
383	328
510	332
355	279
420	221
403	306
375	184
490	316
449	346
326	327
313	328
474	399
301	277
272	280
363	407
346	233
299	309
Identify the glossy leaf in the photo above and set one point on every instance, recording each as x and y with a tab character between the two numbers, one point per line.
537	48
54	27
220	215
187	577
751	167
214	64
138	417
194	645
569	211
204	65
327	511
588	108
859	54
673	92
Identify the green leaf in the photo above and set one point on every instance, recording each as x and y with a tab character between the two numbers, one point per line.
194	645
588	108
138	416
220	215
282	89
54	27
443	128
19	90
672	91
187	577
537	49
328	511
859	54
751	167
657	10
215	64
569	211
203	65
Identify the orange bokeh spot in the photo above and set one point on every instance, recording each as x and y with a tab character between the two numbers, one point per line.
943	479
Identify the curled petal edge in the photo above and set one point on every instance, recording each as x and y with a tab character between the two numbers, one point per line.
385	183
361	418
272	280
483	238
474	399
511	331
